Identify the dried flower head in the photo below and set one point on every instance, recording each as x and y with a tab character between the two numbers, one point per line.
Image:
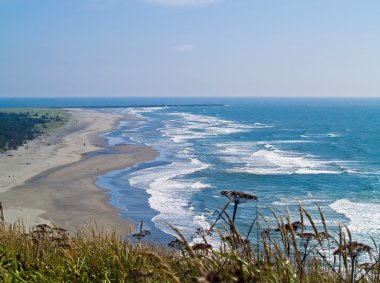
312	236
141	234
55	235
43	228
352	248
238	197
201	246
233	240
323	235
266	232
203	232
295	225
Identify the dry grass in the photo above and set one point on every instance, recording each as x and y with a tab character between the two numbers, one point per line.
285	253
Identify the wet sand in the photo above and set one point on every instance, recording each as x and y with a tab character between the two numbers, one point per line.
66	193
63	146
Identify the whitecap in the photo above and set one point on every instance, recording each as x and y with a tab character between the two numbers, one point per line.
170	194
325	135
281	162
201	126
199	185
286	141
305	171
272	161
363	217
135	111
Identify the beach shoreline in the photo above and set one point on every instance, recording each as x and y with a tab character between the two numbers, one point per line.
52	179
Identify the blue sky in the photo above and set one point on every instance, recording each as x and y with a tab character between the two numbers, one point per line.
189	48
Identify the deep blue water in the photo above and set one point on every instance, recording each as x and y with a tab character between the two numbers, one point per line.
103	101
324	151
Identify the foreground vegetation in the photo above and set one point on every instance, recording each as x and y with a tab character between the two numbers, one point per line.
285	253
20	125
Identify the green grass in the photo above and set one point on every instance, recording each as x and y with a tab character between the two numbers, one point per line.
18	125
285	253
50	113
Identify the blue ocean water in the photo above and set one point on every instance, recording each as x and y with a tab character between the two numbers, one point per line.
317	151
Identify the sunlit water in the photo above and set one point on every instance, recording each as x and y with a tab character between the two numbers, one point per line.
318	151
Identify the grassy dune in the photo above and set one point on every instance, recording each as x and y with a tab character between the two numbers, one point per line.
51	115
19	125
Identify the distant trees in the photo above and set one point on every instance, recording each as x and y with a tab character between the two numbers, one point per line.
17	128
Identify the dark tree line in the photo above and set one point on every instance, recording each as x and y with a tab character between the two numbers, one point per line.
17	128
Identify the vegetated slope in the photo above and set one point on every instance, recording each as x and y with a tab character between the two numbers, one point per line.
285	252
20	125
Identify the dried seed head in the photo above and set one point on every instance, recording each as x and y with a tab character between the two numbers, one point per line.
141	234
238	197
353	248
201	246
234	240
203	232
295	225
323	235
266	232
43	228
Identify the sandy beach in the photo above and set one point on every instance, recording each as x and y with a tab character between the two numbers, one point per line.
52	179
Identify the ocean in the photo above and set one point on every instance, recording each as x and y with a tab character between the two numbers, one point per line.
317	151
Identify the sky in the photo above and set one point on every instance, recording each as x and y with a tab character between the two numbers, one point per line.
51	48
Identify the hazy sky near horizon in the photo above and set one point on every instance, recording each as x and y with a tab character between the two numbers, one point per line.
189	47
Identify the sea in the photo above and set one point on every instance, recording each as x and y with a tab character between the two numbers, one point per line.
317	151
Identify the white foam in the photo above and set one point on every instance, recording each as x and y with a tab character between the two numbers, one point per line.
356	168
285	141
326	135
309	201
131	111
167	172
279	158
236	149
268	146
319	171
170	194
363	217
145	109
272	161
261	126
137	110
201	126
200	185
